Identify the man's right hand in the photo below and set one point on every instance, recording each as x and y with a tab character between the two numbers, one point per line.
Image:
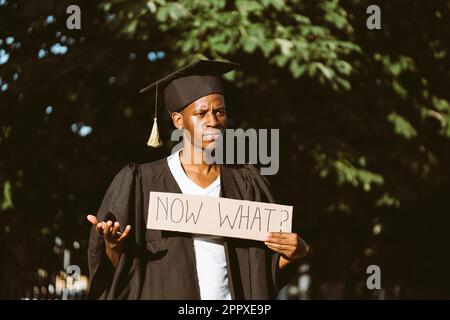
114	239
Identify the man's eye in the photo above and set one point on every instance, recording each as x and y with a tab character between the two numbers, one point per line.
201	114
220	112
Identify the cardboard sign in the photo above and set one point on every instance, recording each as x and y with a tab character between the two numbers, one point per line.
217	216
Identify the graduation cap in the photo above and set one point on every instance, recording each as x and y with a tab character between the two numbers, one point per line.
186	85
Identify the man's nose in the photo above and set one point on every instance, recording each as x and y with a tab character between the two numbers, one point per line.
211	120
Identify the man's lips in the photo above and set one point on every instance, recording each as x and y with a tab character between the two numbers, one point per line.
211	136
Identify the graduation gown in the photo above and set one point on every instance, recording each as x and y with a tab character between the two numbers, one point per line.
159	264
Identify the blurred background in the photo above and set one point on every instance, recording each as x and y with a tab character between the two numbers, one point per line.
364	120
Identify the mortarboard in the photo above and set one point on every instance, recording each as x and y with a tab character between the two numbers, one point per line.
186	85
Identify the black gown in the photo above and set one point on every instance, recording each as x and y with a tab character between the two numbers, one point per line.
159	264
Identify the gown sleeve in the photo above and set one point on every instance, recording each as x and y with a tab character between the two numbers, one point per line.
118	204
260	190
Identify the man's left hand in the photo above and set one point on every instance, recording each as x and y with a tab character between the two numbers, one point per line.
290	245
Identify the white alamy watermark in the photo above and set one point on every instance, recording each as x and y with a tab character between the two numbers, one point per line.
374	20
374	280
233	146
73	21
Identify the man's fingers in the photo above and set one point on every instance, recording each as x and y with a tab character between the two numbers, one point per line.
107	227
277	249
115	227
279	246
92	219
282	235
125	233
283	241
99	229
98	224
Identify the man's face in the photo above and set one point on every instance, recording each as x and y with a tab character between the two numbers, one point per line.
204	119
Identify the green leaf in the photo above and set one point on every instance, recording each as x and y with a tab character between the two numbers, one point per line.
7	196
278	4
267	47
328	73
343	83
246	6
285	45
281	60
402	126
130	28
176	11
249	43
162	14
387	201
441	104
343	67
399	89
301	19
297	70
106	6
151	6
347	173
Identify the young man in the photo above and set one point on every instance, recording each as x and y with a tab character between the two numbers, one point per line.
139	263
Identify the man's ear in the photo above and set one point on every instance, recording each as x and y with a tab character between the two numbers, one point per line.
177	120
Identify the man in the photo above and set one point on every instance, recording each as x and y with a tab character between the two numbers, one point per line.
140	263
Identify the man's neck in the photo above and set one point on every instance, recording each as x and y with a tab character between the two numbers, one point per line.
192	157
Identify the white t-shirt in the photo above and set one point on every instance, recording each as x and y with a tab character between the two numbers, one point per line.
209	250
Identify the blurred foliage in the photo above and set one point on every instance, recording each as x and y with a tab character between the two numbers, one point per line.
364	117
